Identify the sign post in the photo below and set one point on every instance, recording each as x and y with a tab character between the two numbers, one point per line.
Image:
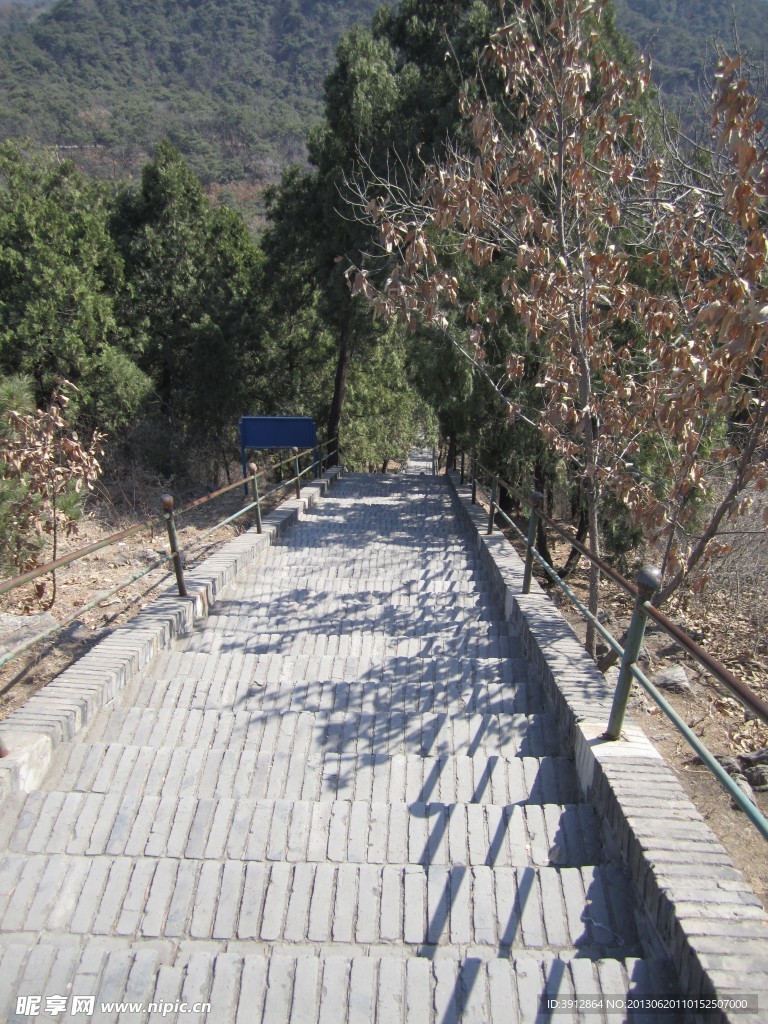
271	433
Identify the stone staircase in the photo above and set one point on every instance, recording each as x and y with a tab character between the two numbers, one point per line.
340	798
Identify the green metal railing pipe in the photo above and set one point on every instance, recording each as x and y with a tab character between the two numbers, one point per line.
648	582
170	516
752	701
612	642
732	788
73	556
173	541
257	501
63	623
297	471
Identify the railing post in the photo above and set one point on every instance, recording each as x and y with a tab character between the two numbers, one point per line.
173	540
494	496
648	582
474	479
253	469
435	463
537	502
463	475
296	471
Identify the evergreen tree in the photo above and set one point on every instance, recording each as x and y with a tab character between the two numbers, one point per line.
394	87
192	297
59	274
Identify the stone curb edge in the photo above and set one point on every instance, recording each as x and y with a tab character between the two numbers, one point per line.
65	705
700	907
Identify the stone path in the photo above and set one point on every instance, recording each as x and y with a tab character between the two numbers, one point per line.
421	462
339	799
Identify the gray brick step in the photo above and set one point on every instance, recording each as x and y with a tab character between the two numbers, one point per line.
324	732
336	570
288	772
156	822
291	583
330	635
226	676
588	909
276	988
339	798
420	585
362	613
298	640
375	612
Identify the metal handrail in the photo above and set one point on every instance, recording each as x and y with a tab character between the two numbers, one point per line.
151	524
648	582
33	574
604	567
739	689
27	645
169	517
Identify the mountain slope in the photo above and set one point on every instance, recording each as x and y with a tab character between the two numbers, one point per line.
236	84
680	35
14	14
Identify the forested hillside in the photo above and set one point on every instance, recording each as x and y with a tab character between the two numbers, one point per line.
15	14
235	84
681	35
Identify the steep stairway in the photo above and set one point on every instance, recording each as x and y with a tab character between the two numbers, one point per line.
341	798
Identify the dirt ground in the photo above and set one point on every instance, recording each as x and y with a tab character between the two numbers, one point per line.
715	716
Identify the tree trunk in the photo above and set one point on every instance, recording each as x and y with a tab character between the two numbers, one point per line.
543	485
340	386
542	545
594	572
575	555
450	462
227	472
591	485
507	501
737	485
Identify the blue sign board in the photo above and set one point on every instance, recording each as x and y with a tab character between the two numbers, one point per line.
273	432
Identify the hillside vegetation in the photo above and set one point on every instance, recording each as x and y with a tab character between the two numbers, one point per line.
681	36
15	14
235	84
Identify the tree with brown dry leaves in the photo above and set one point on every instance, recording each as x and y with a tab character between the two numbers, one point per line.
50	463
638	277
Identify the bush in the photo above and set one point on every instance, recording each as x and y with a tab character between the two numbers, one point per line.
48	465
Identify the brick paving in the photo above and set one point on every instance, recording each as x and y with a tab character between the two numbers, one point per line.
339	798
